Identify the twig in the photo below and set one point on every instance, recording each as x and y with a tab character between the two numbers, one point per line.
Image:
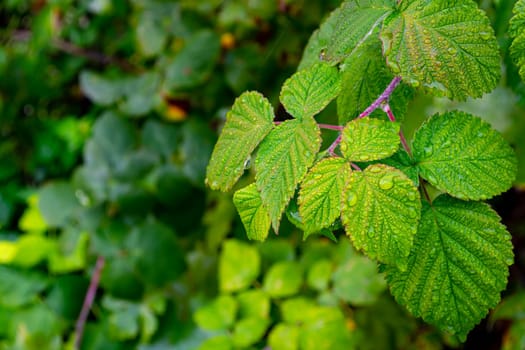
88	301
72	49
382	98
386	108
376	104
331	127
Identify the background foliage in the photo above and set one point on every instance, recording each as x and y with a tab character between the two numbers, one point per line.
109	111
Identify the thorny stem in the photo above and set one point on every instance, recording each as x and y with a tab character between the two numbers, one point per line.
386	108
88	301
376	104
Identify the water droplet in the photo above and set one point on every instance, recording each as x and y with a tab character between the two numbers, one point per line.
371	232
485	35
364	157
452	50
428	151
431	179
351	199
386	182
343	147
415	83
412	213
480	134
411	196
509	261
248	162
318	176
375	169
322	55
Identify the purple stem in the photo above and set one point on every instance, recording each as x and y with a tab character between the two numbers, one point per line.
331	149
88	301
382	98
392	118
331	127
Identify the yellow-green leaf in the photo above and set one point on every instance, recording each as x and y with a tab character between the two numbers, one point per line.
254	216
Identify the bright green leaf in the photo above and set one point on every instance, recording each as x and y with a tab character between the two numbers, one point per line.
367	139
358	282
283	279
319	274
218	314
297	310
239	266
447	47
402	161
254	303
218	342
284	337
380	211
458	265
248	122
517	32
283	160
254	216
345	29
320	194
307	92
510	308
248	331
462	155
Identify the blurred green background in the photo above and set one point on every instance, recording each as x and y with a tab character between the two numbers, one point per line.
109	111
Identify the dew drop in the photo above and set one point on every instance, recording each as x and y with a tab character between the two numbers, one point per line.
509	261
451	50
375	169
248	162
431	179
485	35
412	213
428	151
371	232
351	199
386	182
411	196
343	147
364	157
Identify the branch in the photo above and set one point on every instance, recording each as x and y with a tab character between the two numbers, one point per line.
88	301
72	49
392	118
382	98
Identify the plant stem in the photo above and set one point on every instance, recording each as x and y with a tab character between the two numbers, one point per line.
376	104
382	98
386	108
331	127
88	301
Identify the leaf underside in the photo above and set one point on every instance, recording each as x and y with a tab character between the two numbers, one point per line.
247	123
283	160
320	194
458	265
448	47
309	91
460	154
254	216
380	211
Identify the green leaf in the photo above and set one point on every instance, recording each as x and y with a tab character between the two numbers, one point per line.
320	194
218	314
99	89
458	265
194	64
358	282
283	160
402	161
254	303
218	342
254	216
447	47
248	331
319	274
307	92
462	155
367	139
284	337
510	308
517	32
239	266
283	279
380	211
364	76
248	122
19	287
345	29
57	202
326	330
